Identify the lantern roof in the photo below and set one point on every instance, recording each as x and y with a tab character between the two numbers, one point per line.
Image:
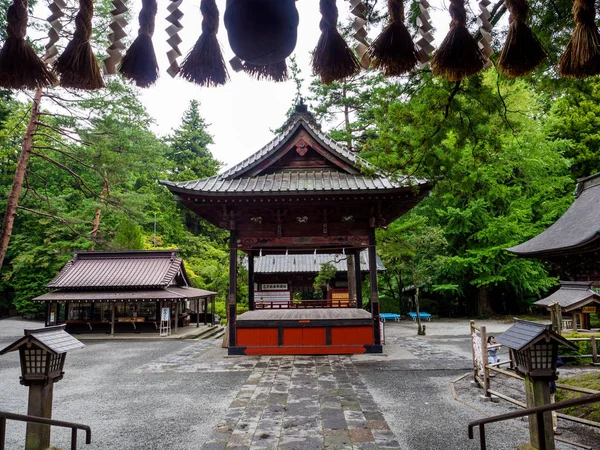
577	228
54	340
524	334
571	295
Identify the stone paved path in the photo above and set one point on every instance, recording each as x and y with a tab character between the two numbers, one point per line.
303	402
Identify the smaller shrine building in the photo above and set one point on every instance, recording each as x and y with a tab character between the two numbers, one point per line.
124	292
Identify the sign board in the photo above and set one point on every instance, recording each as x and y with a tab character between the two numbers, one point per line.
274	287
589	309
52	317
166	314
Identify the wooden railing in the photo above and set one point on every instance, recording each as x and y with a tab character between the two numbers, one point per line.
538	411
278	304
42	420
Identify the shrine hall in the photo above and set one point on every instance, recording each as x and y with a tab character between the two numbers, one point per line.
302	193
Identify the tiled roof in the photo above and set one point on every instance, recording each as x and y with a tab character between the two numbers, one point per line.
296	121
578	226
170	293
307	263
294	182
523	334
54	339
119	270
571	293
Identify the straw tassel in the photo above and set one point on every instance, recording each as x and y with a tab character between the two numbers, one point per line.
204	65
332	60
393	51
139	63
20	66
77	66
274	72
458	56
582	56
522	51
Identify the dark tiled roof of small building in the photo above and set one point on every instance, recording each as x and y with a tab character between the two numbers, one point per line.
571	293
524	333
578	226
294	182
296	121
120	270
307	263
169	293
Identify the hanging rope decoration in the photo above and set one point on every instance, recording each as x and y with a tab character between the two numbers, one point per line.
139	63
204	65
522	51
358	9
174	40
393	51
20	66
116	48
56	13
458	56
332	59
485	29
582	57
77	66
262	34
424	47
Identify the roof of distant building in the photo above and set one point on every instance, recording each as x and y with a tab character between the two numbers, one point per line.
572	295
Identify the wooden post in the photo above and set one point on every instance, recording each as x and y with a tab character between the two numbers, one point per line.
112	319
484	358
176	316
537	393
212	310
471	331
351	275
358	279
232	296
198	314
251	280
574	317
593	344
556	316
40	405
374	300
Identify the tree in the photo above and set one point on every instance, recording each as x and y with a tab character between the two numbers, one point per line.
188	147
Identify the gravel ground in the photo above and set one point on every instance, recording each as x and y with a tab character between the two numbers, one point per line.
159	394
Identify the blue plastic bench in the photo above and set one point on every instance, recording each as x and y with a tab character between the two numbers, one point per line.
422	315
389	316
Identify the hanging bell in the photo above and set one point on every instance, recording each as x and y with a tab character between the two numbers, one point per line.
262	32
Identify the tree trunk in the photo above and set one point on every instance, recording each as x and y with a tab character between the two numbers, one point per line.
15	191
420	328
483	302
96	221
347	120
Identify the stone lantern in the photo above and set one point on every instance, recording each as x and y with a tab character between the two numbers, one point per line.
534	350
42	353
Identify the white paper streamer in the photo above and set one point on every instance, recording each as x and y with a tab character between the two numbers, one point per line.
117	47
424	25
173	32
485	28
56	10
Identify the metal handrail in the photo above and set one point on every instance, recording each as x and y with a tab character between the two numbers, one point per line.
34	419
538	411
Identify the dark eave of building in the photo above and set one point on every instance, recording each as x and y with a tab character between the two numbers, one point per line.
577	228
571	295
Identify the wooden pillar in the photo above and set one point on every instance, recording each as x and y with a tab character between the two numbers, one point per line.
574	317
40	405
358	279
251	280
112	319
351	272
198	314
212	310
374	300
232	295
537	393
176	316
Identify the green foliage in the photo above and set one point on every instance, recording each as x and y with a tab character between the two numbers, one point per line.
326	273
129	236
